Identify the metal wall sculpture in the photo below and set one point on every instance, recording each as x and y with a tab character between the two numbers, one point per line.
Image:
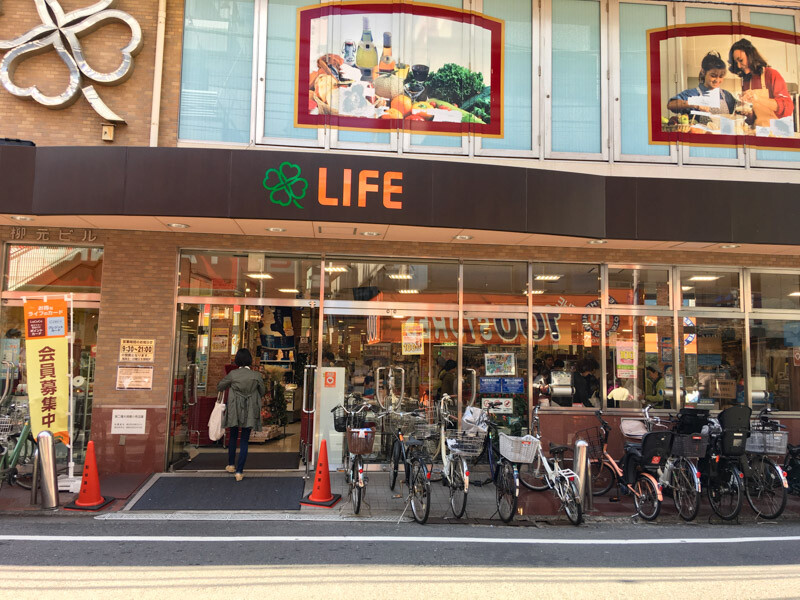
61	32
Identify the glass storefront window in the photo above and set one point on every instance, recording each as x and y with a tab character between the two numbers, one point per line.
638	354
562	284
775	376
705	288
490	283
392	281
247	275
712	360
638	287
775	290
12	348
53	269
566	347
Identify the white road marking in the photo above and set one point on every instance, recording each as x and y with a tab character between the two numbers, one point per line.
399	539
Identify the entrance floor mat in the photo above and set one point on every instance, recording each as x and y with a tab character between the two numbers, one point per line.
216	461
187	492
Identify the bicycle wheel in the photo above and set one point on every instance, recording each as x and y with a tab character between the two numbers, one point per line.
395	464
725	491
420	490
458	489
355	489
568	494
602	477
22	473
533	475
646	498
685	489
506	488
765	492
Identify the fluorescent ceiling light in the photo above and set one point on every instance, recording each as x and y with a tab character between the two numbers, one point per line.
333	269
686	288
259	276
400	276
533	292
409	291
705	277
795	294
548	277
289	290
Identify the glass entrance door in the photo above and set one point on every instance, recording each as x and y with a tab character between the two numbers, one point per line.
282	342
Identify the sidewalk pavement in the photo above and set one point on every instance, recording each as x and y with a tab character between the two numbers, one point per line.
381	504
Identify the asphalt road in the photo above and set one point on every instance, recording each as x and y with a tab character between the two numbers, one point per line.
373	560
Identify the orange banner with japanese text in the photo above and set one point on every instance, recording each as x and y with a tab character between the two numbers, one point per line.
47	356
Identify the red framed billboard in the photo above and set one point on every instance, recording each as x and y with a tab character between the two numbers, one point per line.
724	84
382	66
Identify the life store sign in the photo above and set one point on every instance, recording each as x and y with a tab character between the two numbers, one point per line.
47	359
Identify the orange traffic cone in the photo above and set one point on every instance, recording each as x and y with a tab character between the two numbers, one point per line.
90	497
321	494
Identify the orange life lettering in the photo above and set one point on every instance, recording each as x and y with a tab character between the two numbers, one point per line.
368	185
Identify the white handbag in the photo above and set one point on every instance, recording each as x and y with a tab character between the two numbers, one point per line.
216	427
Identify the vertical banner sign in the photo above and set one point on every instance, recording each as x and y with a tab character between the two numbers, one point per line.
626	360
47	356
413	339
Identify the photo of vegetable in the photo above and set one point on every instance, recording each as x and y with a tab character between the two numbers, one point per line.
367	68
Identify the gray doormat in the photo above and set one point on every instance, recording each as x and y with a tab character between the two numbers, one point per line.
216	461
222	493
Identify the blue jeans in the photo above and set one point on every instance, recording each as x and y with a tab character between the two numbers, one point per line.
242	451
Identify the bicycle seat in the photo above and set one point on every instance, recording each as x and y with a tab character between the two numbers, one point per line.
556	449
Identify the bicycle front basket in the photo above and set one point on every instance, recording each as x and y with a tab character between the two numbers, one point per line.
360	441
464	443
519	449
689	445
340	419
767	442
594	437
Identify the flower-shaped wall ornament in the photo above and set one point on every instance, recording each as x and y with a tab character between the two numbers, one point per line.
61	32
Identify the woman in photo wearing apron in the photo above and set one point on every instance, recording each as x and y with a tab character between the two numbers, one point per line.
763	87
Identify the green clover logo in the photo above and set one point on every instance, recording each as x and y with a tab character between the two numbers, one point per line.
285	185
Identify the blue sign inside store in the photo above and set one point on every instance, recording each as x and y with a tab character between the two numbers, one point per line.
502	385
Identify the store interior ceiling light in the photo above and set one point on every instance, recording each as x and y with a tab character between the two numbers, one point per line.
705	277
276	229
178	225
533	292
289	290
335	269
21	218
400	276
463	237
547	277
795	294
409	291
259	276
686	288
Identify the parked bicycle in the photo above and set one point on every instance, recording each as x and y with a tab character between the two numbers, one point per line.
454	447
791	466
359	441
765	483
480	437
17	445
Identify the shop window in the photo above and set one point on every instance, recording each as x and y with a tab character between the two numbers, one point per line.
491	284
702	288
247	275
775	290
774	371
712	361
639	362
576	113
517	75
53	269
566	285
638	287
217	71
565	348
395	281
634	21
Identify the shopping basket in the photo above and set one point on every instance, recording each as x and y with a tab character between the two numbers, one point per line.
464	442
360	441
519	449
767	441
593	436
689	445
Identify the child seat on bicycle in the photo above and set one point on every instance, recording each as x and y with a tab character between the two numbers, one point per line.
648	455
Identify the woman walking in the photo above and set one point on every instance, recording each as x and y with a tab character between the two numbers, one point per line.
244	407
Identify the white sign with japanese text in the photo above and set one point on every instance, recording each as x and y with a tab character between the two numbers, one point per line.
128	421
136	350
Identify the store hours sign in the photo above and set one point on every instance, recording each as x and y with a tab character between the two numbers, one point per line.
136	350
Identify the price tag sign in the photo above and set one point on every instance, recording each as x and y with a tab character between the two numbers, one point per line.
136	350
